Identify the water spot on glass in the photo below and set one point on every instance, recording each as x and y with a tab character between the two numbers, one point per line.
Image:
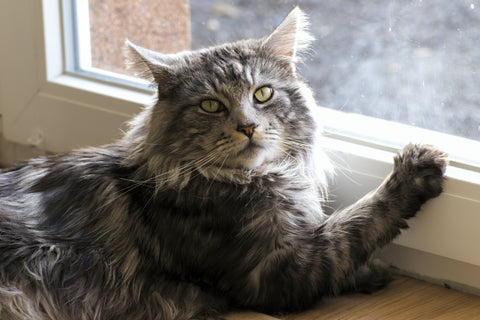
213	25
394	67
324	31
423	52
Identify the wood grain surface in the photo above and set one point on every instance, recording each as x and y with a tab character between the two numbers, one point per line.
404	298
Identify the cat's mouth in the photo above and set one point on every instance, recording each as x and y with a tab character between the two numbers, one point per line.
251	148
250	156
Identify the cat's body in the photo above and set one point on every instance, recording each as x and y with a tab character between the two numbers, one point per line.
201	207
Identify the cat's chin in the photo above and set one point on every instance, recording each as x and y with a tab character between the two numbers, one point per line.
240	169
250	163
251	157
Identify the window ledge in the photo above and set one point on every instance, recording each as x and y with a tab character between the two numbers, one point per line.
391	136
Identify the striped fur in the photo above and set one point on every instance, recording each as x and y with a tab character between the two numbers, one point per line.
186	217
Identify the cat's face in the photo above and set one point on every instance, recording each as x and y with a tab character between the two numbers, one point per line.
238	105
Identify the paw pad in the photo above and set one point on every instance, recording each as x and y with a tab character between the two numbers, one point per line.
423	168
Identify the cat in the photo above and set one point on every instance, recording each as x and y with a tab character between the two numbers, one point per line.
212	201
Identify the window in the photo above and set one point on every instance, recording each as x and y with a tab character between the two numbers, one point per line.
387	60
412	62
100	27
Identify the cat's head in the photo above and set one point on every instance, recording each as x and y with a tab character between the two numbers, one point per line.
239	105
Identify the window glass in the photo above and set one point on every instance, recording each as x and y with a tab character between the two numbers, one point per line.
414	62
161	25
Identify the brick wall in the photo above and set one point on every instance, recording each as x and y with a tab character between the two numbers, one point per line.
160	25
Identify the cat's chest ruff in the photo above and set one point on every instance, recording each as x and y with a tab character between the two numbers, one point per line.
278	190
277	193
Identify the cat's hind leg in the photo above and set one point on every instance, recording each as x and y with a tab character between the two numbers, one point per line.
181	300
370	277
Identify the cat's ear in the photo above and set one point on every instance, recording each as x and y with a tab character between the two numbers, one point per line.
291	37
150	65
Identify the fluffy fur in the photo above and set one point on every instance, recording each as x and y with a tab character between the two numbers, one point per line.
188	216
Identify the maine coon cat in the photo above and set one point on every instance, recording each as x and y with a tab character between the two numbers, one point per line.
211	201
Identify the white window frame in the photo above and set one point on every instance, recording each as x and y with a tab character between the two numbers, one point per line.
40	101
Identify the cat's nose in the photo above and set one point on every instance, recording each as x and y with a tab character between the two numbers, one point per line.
248	129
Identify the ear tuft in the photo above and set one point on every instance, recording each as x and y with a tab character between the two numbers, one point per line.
148	64
291	37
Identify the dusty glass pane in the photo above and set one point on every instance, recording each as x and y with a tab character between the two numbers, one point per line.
415	62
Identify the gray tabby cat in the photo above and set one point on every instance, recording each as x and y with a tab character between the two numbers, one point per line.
211	201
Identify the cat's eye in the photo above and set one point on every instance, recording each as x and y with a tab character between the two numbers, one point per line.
263	94
211	106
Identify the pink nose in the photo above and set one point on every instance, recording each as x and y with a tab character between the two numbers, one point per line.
248	130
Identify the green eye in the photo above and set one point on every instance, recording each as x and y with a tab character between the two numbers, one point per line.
263	94
211	106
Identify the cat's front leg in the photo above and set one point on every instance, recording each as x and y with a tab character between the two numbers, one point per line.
376	219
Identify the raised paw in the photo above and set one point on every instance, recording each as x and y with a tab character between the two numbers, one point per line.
422	168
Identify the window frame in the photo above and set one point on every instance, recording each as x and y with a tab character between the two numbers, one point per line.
39	98
37	89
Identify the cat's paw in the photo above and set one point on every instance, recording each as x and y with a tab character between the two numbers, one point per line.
422	168
370	277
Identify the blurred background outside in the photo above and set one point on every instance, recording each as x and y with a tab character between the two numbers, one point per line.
415	62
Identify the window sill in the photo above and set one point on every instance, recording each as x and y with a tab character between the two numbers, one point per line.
391	136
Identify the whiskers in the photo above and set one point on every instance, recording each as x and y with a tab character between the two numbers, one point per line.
164	173
170	173
308	159
297	145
